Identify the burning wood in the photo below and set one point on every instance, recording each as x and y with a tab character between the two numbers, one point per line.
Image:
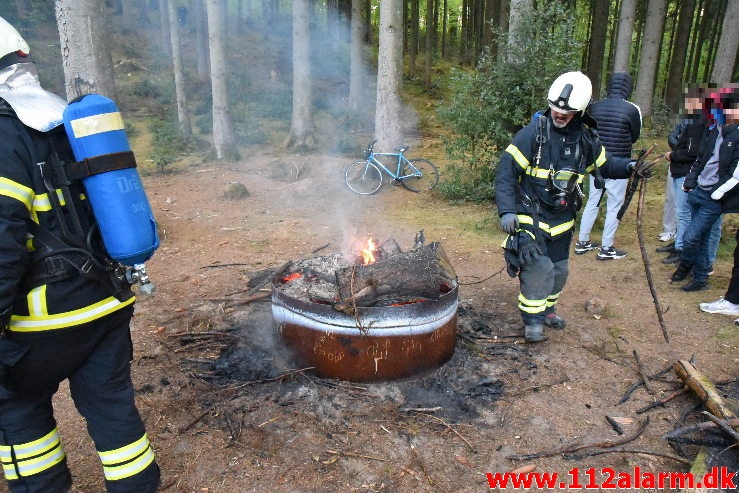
379	275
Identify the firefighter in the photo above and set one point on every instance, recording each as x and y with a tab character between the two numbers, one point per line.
538	192
63	314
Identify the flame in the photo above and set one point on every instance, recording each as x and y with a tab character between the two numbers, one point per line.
367	253
292	277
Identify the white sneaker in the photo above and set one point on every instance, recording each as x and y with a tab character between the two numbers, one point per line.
720	306
667	237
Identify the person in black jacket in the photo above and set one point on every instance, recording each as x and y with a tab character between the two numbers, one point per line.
711	188
727	191
619	126
60	319
537	192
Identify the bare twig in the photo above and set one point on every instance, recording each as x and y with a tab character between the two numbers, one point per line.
472	449
662	402
687	430
316	250
630	391
645	259
723	425
574	448
483	280
352	454
642	373
622	450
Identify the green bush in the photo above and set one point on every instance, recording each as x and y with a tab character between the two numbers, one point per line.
490	104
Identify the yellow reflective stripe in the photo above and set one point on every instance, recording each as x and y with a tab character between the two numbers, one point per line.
15	190
552	300
22	323
531	306
42	202
34	466
96	124
542	173
517	156
600	160
561	228
124	453
37	301
131	459
45	452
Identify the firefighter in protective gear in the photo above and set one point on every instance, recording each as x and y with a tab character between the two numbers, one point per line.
537	193
62	315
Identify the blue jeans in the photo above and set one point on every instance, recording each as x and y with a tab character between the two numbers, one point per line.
704	213
682	211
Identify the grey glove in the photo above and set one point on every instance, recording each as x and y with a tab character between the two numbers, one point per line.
509	223
528	249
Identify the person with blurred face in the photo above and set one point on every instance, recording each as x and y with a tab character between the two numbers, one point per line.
537	193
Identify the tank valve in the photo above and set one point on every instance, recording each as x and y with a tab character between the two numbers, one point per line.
137	274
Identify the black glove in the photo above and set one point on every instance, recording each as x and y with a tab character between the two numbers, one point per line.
644	169
510	255
528	249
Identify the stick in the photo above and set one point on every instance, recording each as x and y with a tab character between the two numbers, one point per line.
630	391
270	277
704	389
249	299
662	402
622	450
472	449
352	454
645	259
723	425
642	373
686	430
574	448
482	281
616	427
316	250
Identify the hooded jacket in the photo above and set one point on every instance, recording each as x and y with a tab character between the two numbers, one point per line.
619	120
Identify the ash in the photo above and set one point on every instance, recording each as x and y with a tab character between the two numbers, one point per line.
318	278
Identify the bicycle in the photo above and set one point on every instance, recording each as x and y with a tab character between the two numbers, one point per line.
365	177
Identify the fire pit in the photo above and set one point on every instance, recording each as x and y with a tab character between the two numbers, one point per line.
382	316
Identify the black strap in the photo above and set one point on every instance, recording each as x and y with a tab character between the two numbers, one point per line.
100	164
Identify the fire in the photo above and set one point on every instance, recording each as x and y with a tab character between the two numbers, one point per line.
292	277
368	253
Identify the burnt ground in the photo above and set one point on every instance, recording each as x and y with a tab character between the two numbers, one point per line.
227	410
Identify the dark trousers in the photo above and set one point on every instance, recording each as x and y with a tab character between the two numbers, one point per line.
96	358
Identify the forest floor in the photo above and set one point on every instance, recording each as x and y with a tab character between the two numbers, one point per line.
257	423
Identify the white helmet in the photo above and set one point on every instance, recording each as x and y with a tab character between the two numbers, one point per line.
570	92
11	41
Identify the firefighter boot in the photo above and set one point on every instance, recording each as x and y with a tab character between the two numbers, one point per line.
534	333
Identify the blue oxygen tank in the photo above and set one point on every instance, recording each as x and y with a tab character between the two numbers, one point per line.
117	197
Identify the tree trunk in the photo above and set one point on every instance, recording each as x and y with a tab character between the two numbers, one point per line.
597	48
223	129
164	27
201	40
88	67
389	108
301	129
179	80
649	57
429	50
723	66
625	31
357	76
445	16
517	8
673	86
413	43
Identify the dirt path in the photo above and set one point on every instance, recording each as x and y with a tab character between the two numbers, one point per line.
299	433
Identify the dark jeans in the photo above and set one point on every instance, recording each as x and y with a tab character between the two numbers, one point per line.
704	211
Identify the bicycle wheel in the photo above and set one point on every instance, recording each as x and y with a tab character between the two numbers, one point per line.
363	177
420	175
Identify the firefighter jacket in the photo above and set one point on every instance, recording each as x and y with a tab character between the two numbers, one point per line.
726	190
71	299
523	181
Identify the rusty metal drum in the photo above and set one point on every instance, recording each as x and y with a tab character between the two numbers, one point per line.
373	344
